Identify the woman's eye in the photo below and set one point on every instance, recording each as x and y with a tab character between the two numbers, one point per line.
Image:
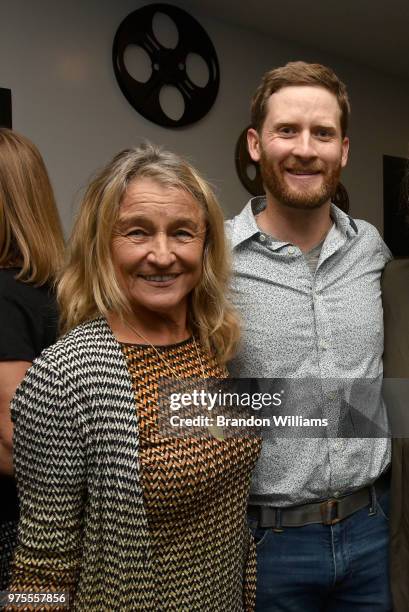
183	234
136	233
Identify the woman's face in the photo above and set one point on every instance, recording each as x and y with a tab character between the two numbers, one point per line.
157	247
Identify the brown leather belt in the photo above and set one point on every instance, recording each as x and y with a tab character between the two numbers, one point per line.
327	512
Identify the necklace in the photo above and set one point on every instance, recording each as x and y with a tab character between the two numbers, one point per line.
216	431
163	360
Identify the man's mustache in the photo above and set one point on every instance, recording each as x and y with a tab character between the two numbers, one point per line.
305	168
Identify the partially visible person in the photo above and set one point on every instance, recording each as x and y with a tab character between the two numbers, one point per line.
31	251
395	294
123	517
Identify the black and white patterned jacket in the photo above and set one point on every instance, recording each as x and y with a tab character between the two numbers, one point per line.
83	525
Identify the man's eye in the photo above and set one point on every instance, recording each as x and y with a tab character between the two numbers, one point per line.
287	130
324	134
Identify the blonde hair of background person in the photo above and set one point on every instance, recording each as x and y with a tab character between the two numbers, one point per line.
31	239
88	286
30	231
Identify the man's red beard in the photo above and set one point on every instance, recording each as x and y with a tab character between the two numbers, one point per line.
309	198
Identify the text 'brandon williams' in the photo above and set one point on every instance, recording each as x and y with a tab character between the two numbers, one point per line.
209	401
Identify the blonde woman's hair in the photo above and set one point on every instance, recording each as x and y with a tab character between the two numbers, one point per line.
30	230
88	287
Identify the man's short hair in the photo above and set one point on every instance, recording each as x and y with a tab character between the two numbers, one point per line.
293	74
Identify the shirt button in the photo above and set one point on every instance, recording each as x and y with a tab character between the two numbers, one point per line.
291	250
338	445
337	494
262	238
324	345
332	395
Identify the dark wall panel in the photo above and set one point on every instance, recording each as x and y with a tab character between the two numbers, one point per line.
5	108
395	204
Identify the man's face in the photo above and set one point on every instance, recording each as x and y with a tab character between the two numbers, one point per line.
300	148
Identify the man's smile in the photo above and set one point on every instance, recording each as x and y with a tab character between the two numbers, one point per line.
300	171
300	175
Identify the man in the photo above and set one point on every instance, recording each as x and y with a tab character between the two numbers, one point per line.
307	282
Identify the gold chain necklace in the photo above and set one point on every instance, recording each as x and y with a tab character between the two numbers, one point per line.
216	431
163	360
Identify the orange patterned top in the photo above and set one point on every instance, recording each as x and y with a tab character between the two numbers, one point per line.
195	493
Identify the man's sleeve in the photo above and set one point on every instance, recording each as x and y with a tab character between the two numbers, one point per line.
49	452
385	252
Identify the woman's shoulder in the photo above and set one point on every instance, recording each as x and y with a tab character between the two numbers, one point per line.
87	337
13	288
10	286
83	369
29	315
88	357
88	350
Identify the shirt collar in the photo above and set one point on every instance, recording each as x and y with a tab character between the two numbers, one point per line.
343	222
245	224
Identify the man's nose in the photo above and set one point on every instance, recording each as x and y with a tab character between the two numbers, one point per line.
304	146
161	251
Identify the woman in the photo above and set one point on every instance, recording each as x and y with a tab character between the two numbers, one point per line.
395	293
122	517
28	315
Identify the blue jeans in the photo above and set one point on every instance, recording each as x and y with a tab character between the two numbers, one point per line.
326	568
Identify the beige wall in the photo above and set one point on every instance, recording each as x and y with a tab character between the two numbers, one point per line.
56	58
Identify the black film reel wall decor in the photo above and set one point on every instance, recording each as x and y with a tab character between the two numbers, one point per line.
168	65
247	169
341	198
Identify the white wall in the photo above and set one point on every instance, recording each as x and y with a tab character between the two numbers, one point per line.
56	58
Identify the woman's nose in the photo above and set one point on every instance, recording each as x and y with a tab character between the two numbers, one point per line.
161	251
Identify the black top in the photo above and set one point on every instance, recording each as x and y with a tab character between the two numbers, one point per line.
28	318
28	324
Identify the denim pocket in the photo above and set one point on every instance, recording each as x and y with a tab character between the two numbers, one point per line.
382	503
259	533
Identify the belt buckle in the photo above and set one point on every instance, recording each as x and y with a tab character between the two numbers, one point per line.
329	512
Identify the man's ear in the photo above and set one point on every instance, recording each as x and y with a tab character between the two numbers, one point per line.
345	150
253	144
